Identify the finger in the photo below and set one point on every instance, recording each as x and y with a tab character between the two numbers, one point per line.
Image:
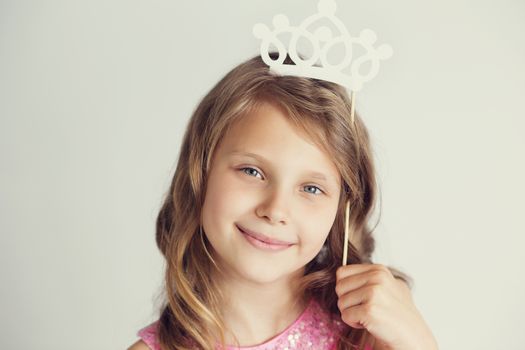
359	316
350	283
353	269
359	296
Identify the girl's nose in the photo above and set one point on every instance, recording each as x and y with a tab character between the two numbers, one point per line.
274	206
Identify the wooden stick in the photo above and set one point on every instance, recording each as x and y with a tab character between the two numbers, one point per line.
347	228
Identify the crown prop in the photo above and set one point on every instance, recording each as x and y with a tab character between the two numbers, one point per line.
322	40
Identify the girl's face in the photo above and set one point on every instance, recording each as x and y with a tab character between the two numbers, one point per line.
268	178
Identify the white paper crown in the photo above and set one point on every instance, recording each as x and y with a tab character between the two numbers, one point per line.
322	40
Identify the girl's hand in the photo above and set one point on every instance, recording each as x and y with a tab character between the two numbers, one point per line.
371	297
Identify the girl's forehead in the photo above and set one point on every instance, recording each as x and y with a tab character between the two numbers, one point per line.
265	117
265	125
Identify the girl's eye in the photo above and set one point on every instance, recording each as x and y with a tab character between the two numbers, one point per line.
246	170
315	187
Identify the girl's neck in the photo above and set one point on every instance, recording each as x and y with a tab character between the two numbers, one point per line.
255	313
255	324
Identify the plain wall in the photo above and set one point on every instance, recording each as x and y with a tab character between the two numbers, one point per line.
94	99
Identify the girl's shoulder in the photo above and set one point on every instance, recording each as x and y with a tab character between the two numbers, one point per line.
148	338
139	345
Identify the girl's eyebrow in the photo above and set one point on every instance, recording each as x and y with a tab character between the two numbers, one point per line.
313	174
248	154
242	153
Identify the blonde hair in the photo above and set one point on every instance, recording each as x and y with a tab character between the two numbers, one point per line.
191	316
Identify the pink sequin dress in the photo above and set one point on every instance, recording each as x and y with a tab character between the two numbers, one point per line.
314	329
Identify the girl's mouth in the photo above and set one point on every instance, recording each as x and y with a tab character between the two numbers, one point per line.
263	244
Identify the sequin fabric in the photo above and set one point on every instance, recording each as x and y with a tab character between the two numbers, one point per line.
314	329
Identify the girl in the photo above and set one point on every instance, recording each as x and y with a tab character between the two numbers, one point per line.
252	227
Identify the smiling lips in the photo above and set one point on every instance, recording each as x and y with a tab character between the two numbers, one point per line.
263	238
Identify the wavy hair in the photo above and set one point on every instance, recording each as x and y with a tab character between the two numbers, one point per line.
190	316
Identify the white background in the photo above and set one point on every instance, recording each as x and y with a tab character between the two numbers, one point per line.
95	96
